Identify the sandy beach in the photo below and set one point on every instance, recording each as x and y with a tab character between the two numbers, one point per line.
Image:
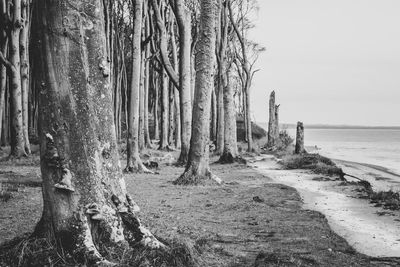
370	230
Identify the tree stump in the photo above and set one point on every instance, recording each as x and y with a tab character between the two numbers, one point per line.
299	149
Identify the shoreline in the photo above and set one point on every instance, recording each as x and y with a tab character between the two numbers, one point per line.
355	219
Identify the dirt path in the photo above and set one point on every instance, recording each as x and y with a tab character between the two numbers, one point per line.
371	230
228	225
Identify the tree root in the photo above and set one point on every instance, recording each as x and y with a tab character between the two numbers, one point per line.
192	177
228	158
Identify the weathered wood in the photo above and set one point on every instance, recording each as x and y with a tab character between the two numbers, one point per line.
272	123
299	149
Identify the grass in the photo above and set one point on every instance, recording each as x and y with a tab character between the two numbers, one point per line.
387	199
25	251
314	162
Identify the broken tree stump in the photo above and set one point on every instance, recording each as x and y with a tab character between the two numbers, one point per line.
299	149
273	127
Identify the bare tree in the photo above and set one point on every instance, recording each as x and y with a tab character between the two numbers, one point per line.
134	163
197	168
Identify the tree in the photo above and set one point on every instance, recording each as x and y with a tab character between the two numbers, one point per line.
85	200
134	163
13	63
299	148
197	168
273	123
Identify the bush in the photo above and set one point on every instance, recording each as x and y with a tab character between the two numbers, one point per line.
284	141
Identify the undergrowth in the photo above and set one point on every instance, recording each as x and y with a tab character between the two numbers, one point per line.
314	162
25	252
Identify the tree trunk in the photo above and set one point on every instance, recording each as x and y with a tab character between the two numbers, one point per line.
85	200
184	22
164	110
3	84
147	140
171	131
16	111
299	149
272	121
24	55
156	81
134	163
230	143
197	168
248	119
141	103
277	122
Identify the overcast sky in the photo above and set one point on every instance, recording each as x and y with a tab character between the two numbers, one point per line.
329	61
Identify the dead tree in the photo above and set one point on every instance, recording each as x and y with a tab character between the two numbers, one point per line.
273	127
85	200
299	149
197	168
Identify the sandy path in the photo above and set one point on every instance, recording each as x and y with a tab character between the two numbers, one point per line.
354	219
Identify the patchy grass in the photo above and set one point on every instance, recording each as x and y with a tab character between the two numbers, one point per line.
387	199
314	162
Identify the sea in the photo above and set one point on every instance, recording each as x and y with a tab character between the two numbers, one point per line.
377	146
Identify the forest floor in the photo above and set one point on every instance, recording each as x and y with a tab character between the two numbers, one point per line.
248	221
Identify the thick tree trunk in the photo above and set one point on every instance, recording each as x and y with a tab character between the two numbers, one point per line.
24	56
164	110
185	99
134	163
197	168
277	122
299	149
272	121
85	200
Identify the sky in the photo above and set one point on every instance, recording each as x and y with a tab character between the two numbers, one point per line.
329	61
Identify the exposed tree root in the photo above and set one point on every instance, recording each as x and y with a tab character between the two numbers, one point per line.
136	166
228	158
191	176
90	234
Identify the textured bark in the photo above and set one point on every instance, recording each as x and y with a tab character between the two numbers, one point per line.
85	200
134	163
272	130
197	168
299	149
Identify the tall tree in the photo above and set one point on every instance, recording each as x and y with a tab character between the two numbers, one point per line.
85	200
197	168
13	63
134	163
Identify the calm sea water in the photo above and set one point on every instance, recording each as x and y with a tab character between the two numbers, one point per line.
374	146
